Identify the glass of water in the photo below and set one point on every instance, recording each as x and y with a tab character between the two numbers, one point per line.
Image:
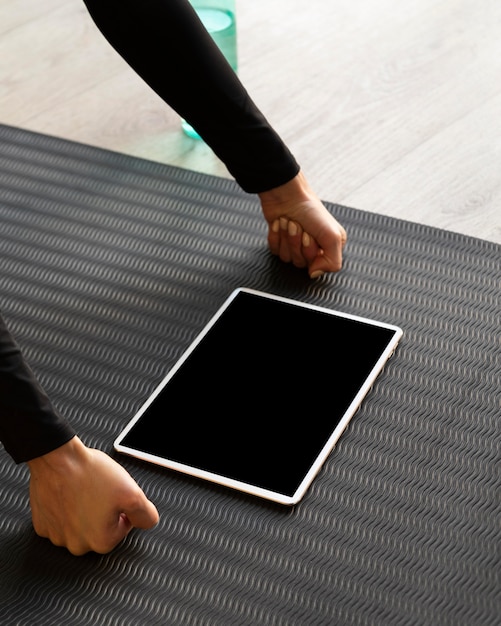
218	17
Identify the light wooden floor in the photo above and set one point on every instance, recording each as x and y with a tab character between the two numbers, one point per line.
390	106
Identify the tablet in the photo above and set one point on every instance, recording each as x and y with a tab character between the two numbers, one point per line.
260	398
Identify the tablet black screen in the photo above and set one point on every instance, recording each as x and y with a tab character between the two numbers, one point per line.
261	394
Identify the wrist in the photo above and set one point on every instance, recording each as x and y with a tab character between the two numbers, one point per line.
59	458
296	190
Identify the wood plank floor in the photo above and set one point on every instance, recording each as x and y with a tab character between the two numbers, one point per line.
393	107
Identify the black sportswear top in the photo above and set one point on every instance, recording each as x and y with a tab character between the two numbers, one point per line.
29	424
166	44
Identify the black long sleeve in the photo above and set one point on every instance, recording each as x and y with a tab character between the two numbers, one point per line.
167	45
29	424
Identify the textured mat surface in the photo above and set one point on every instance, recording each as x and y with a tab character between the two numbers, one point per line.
109	267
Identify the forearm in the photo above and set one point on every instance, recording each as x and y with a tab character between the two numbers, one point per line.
29	424
166	44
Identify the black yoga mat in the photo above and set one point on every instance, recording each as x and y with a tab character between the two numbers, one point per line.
110	265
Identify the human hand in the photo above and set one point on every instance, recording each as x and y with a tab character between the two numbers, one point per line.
300	228
82	499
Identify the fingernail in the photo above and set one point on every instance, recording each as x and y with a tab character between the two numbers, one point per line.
317	274
306	240
292	229
283	223
275	227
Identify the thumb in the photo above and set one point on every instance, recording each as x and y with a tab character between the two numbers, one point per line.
142	514
330	260
330	256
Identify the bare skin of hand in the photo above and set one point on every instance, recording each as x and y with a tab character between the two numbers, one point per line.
83	500
300	228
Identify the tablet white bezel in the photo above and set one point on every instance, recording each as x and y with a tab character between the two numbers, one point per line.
327	448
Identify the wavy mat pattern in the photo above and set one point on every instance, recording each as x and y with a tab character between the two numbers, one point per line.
109	267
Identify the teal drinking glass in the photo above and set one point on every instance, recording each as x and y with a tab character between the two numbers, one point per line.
218	17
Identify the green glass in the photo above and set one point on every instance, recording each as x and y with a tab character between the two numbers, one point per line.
218	17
